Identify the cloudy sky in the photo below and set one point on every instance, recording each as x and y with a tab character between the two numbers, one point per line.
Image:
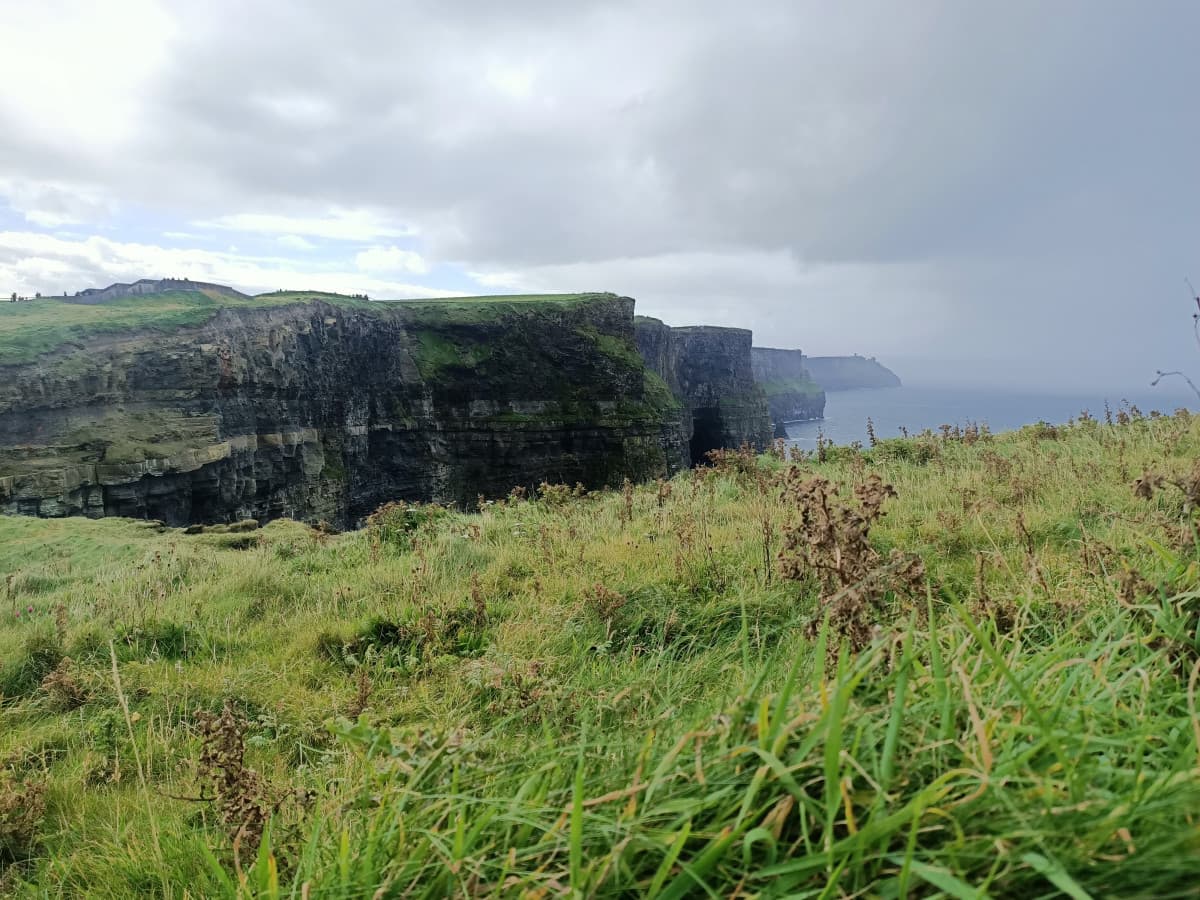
992	191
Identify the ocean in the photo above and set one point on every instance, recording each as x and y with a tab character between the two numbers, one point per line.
917	408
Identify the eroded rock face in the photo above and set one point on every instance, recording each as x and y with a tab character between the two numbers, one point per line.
320	411
709	369
792	394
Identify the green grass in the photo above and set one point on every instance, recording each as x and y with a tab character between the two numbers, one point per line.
658	395
30	329
435	352
804	386
470	715
502	298
463	311
117	437
621	351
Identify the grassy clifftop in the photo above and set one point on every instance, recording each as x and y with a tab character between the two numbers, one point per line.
32	328
630	691
781	386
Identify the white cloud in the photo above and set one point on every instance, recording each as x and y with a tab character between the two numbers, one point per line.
51	204
670	150
515	81
391	259
33	261
298	109
77	72
502	281
295	242
337	224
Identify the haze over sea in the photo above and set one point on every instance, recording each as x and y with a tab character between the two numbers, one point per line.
920	407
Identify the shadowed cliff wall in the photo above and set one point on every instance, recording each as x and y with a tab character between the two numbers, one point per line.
792	394
709	369
321	411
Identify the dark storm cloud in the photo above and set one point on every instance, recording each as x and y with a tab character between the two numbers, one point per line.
886	132
1012	183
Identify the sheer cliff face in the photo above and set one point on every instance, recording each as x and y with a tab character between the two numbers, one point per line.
792	394
845	373
324	411
709	370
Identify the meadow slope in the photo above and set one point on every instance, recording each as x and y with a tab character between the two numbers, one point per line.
631	692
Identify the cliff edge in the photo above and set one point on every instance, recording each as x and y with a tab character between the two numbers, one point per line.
709	370
205	405
792	393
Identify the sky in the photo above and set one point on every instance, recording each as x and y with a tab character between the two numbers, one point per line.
987	192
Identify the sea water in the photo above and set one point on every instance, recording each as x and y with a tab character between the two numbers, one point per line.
918	408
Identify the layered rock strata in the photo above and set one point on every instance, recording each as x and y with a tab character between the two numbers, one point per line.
324	410
709	370
792	394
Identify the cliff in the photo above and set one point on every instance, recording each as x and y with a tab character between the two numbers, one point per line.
792	394
208	406
844	373
709	371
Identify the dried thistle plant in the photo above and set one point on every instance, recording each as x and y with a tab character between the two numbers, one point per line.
478	603
1188	484
737	463
1031	558
831	541
662	492
60	622
604	602
22	807
1150	482
64	690
362	693
1002	612
241	795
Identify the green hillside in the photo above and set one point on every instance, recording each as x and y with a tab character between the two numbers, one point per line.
31	328
690	688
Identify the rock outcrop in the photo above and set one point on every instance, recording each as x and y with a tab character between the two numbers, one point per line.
709	370
845	373
322	409
144	286
792	394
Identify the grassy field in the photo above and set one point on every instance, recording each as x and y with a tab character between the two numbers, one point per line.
738	683
803	386
32	328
